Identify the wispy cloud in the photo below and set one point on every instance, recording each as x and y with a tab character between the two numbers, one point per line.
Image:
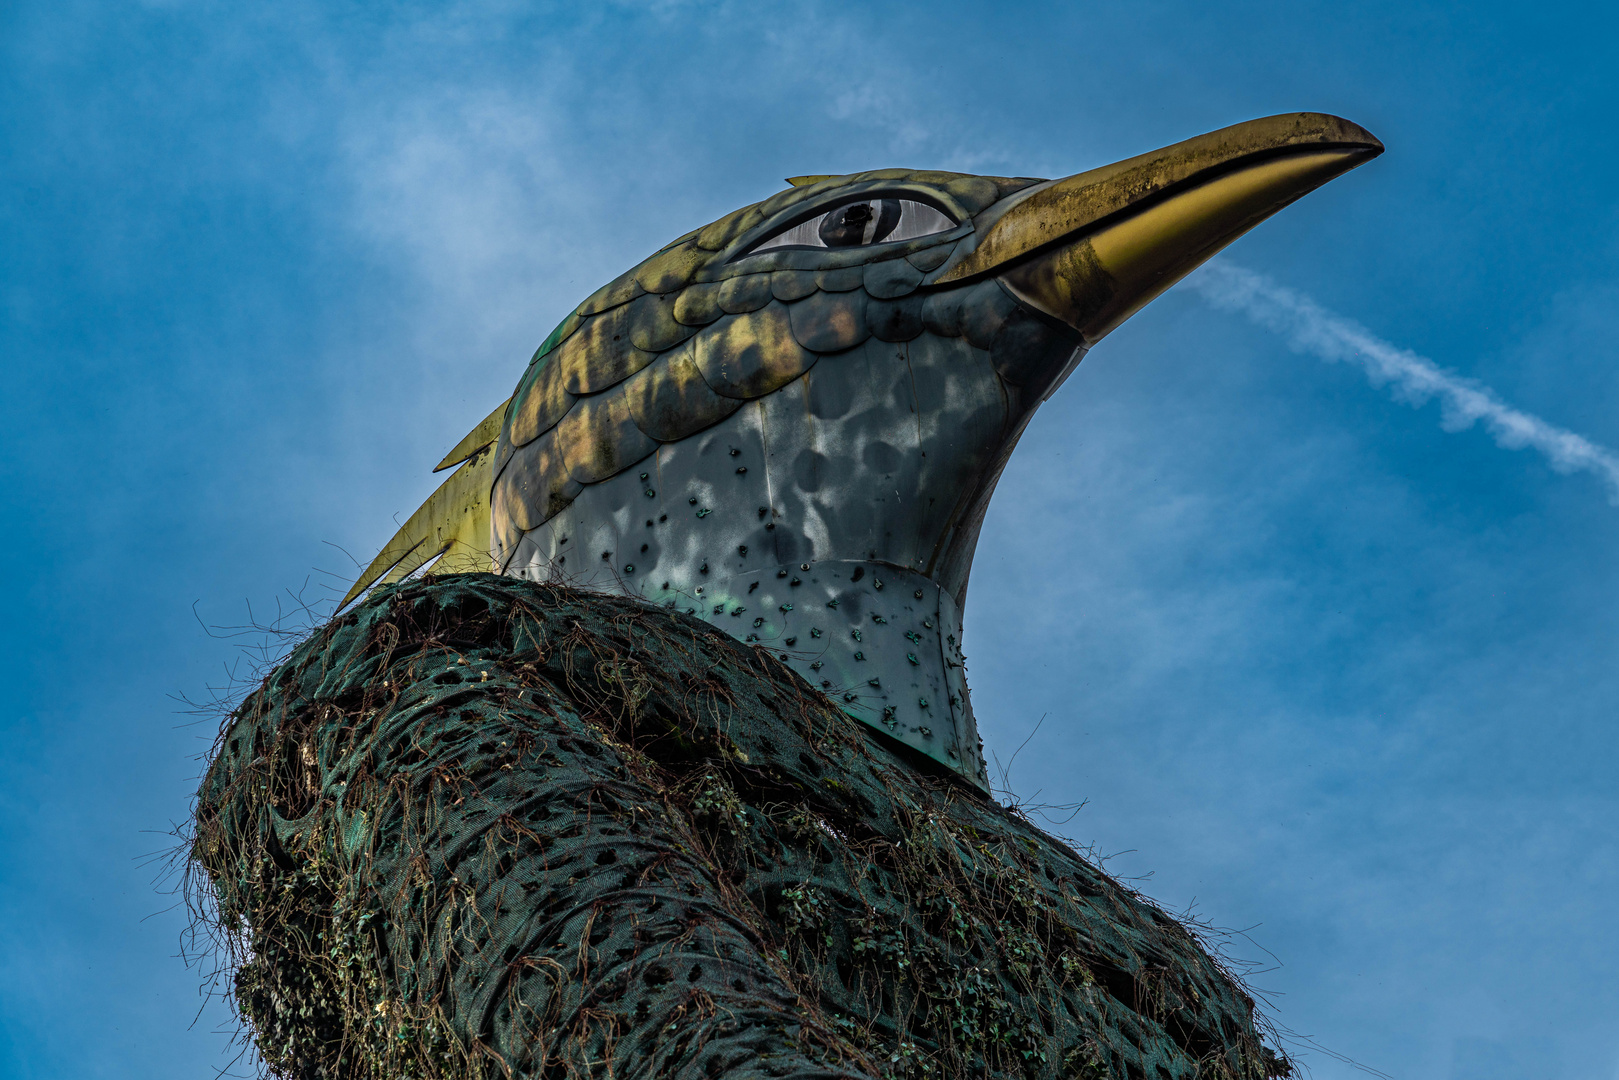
1413	379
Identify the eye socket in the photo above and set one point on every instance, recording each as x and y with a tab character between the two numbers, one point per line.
874	221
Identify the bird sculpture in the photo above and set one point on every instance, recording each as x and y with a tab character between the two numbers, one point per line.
790	422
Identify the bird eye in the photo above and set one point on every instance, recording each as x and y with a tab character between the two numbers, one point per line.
875	221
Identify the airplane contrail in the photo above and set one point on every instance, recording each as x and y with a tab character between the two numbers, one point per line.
1310	328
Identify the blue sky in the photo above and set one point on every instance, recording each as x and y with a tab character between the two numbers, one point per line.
1334	674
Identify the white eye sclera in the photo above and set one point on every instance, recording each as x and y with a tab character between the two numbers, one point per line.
876	221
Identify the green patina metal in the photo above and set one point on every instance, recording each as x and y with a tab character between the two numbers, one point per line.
485	827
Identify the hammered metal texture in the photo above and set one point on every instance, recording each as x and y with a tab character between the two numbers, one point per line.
804	460
771	420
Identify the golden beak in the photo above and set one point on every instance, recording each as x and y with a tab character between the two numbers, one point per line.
1094	248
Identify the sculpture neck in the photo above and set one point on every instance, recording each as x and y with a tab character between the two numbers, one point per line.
882	641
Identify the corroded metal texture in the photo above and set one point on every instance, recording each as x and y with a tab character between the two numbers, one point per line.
791	420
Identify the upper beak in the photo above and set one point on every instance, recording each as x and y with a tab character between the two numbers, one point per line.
1094	248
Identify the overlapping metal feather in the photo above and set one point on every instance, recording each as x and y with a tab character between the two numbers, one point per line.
682	341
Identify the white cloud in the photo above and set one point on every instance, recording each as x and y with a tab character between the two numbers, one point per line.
1414	379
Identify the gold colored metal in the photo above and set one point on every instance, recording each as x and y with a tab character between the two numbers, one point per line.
534	485
598	438
452	526
748	356
1053	213
487	431
541	404
1098	281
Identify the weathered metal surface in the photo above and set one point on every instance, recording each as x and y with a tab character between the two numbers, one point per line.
485	434
739	413
1060	209
451	528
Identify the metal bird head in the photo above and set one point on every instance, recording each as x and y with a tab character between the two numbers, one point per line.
790	422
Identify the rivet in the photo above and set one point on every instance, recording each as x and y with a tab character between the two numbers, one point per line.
739	610
922	701
928	623
763	510
699	590
735	451
795	581
607	554
918	594
719	609
651	494
927	732
815	666
663	517
879	619
692	500
832	603
912	658
784	656
753	586
751	637
704	512
781	573
643	548
878	683
859	655
850	696
815	631
756	622
859	572
803	566
742	549
786	607
877	584
770	526
740	469
824	682
703	569
629	568
561	559
791	642
913	637
643	476
856	634
665	584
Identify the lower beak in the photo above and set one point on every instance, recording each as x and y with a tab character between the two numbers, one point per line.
1093	249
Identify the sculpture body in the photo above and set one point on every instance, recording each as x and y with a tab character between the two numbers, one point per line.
479	827
484	826
790	422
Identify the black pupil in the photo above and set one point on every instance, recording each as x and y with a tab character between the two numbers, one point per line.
849	225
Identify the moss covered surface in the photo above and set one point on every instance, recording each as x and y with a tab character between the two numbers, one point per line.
485	827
